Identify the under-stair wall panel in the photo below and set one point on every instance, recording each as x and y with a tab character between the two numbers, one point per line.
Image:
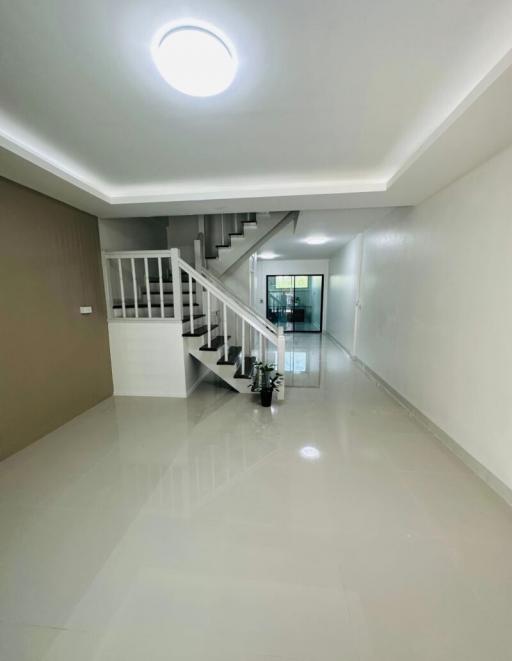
149	359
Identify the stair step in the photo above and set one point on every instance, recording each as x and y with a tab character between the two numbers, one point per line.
216	343
233	353
153	280
250	223
247	372
198	332
154	288
223	245
196	316
143	305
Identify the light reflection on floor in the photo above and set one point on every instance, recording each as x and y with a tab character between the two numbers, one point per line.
302	360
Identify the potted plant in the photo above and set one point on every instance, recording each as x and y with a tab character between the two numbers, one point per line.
265	380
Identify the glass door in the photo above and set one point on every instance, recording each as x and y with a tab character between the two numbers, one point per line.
295	302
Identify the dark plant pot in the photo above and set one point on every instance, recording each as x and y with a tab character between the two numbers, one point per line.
266	397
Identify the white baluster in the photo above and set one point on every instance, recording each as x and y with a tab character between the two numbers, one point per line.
222	227
121	284
208	319
226	351
191	301
243	347
261	348
148	292
134	282
162	308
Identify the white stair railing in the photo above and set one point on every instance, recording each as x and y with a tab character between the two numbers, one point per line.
138	285
220	285
148	286
262	332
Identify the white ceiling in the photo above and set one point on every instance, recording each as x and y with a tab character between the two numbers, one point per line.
339	226
332	100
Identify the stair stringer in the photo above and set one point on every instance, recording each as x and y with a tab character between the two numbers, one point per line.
209	359
229	255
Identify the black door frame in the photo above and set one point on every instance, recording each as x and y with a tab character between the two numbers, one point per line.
293	275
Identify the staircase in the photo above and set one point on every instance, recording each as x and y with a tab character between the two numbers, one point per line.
218	330
238	238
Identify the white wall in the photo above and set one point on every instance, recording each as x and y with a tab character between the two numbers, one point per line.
133	233
181	233
288	267
343	293
149	359
436	322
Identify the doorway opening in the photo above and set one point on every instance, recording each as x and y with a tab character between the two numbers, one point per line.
295	302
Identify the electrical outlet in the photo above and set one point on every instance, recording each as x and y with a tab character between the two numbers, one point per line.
85	309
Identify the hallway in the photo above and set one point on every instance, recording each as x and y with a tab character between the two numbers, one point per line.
201	529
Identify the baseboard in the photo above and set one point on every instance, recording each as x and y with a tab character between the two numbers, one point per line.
499	487
339	344
473	464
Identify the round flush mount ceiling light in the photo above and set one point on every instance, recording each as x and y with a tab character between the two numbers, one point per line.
316	240
309	452
194	58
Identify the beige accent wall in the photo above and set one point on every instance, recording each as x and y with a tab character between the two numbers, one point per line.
54	362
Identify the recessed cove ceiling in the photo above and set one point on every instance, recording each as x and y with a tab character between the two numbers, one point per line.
316	104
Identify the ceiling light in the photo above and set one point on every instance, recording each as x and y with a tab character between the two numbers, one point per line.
194	58
267	255
309	452
316	240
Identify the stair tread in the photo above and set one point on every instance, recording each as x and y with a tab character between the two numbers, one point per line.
236	234
246	374
233	353
216	343
154	304
198	332
167	281
223	245
196	316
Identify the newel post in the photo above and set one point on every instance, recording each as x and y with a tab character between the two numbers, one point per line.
107	285
176	284
281	340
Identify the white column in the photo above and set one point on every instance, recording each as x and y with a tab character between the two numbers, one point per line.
107	285
191	301
281	353
176	283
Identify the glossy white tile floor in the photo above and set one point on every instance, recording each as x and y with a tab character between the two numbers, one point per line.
193	530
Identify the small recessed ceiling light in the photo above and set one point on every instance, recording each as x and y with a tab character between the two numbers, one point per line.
309	452
267	255
316	240
194	58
